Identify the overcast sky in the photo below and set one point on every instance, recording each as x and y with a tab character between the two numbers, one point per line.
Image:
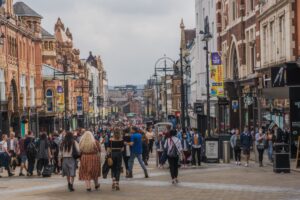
129	35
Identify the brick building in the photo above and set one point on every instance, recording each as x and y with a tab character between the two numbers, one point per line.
20	67
237	30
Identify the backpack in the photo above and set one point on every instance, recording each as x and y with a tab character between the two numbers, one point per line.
31	150
173	153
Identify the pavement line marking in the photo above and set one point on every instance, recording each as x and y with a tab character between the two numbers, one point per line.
217	186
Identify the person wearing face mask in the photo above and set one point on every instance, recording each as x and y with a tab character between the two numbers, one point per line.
260	140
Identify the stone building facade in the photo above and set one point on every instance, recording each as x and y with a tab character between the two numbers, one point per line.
20	67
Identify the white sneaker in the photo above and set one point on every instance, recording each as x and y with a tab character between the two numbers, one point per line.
246	165
236	163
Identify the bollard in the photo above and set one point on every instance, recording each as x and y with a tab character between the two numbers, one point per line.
226	152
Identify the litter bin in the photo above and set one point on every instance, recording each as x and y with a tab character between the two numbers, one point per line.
281	158
226	152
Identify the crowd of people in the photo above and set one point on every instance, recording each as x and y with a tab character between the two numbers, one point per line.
66	152
264	139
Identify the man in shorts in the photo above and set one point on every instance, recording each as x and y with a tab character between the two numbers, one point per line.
246	142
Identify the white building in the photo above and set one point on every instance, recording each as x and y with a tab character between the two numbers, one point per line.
197	56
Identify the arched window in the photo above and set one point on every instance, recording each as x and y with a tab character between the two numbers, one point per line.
49	100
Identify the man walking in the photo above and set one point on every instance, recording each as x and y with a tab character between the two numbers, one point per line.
136	151
196	140
246	142
31	151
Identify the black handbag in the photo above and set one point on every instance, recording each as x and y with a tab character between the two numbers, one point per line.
75	153
48	170
105	169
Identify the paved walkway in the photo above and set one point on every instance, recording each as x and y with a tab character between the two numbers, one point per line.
215	182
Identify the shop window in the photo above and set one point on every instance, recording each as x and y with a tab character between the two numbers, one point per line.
49	100
32	92
23	89
282	36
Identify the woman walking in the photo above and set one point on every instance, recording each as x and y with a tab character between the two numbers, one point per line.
270	142
159	143
174	151
260	140
150	137
90	160
235	142
116	148
186	146
5	155
44	153
126	152
69	150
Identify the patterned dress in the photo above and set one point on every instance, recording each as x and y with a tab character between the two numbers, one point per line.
90	166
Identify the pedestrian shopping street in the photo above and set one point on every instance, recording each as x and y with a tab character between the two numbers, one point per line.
210	181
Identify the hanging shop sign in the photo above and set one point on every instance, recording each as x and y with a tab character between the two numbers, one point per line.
199	108
235	105
216	75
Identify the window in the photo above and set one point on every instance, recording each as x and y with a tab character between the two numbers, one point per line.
281	48
49	100
32	92
233	10
2	85
250	5
265	44
23	89
272	41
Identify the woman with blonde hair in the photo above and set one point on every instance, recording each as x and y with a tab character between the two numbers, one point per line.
90	160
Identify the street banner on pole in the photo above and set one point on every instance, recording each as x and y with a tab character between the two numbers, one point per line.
216	75
60	99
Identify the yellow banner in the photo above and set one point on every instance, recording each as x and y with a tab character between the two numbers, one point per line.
216	75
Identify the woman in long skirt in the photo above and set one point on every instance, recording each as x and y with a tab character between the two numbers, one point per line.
90	160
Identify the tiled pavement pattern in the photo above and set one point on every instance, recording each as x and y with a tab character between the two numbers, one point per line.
215	182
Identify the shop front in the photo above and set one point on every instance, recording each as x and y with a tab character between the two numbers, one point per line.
280	101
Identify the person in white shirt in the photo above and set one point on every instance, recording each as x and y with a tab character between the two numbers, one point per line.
5	155
150	137
174	152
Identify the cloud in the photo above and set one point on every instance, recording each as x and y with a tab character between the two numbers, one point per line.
129	35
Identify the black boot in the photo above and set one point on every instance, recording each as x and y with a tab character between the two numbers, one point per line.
146	174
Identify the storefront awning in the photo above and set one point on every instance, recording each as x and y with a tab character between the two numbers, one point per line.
48	71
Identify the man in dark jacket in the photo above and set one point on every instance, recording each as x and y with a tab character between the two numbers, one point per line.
30	149
246	142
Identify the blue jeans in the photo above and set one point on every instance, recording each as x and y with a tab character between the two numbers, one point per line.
140	159
270	152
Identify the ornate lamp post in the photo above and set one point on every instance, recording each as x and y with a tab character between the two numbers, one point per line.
206	37
66	63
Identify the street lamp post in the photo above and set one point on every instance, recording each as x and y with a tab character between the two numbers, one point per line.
164	69
182	91
66	63
206	37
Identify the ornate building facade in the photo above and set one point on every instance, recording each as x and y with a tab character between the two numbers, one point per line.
20	68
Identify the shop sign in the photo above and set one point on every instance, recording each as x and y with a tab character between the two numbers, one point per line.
199	108
235	105
60	89
216	75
